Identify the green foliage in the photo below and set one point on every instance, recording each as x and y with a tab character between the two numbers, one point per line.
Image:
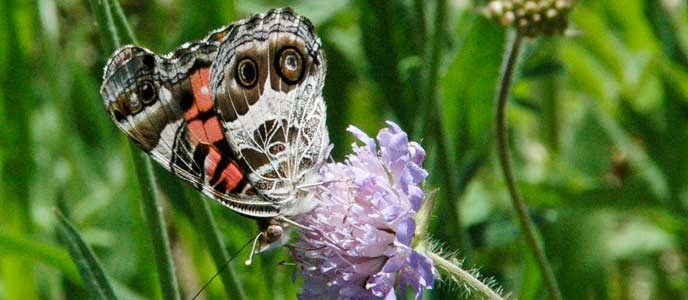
598	129
96	282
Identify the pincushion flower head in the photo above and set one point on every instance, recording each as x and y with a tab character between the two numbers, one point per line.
363	226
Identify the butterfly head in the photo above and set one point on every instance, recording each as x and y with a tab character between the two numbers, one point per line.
274	233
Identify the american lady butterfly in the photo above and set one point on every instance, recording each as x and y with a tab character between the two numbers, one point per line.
239	115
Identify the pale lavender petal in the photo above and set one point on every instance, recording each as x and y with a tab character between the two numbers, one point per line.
405	231
360	135
419	273
394	127
417	153
391	295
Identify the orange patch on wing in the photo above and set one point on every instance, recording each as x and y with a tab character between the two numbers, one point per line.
200	86
213	130
200	83
230	176
209	131
221	36
198	131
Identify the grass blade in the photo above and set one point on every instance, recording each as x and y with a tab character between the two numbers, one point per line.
152	210
121	23
150	201
109	37
16	170
466	90
22	246
92	273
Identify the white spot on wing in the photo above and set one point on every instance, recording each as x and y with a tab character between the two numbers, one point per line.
165	94
166	140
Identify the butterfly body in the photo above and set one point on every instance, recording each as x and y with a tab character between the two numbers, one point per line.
239	115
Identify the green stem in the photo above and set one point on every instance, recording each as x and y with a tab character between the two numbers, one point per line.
527	225
152	209
431	121
121	20
150	200
106	25
463	276
421	32
149	276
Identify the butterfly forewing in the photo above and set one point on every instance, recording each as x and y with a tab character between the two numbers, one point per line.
165	106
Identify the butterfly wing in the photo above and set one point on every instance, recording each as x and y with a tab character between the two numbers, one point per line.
267	80
164	105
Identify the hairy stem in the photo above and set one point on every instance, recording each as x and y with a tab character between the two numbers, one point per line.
463	276
527	225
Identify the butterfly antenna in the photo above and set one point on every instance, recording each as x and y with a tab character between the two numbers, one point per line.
253	249
226	265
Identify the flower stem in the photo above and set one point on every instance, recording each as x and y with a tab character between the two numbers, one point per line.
463	276
527	225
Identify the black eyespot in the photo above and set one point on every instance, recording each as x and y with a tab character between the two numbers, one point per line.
246	73
117	114
147	92
289	62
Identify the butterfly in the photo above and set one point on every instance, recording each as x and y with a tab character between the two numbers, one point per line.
239	114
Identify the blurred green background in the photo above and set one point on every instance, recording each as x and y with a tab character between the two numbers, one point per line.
598	127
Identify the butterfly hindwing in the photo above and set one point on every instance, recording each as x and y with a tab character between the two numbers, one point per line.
267	81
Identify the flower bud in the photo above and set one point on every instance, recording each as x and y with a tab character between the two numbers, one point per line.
532	17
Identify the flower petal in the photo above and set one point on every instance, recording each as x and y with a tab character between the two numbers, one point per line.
362	136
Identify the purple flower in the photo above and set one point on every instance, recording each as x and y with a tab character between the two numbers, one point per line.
361	245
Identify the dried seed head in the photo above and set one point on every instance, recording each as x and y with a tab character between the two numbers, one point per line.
532	17
508	18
